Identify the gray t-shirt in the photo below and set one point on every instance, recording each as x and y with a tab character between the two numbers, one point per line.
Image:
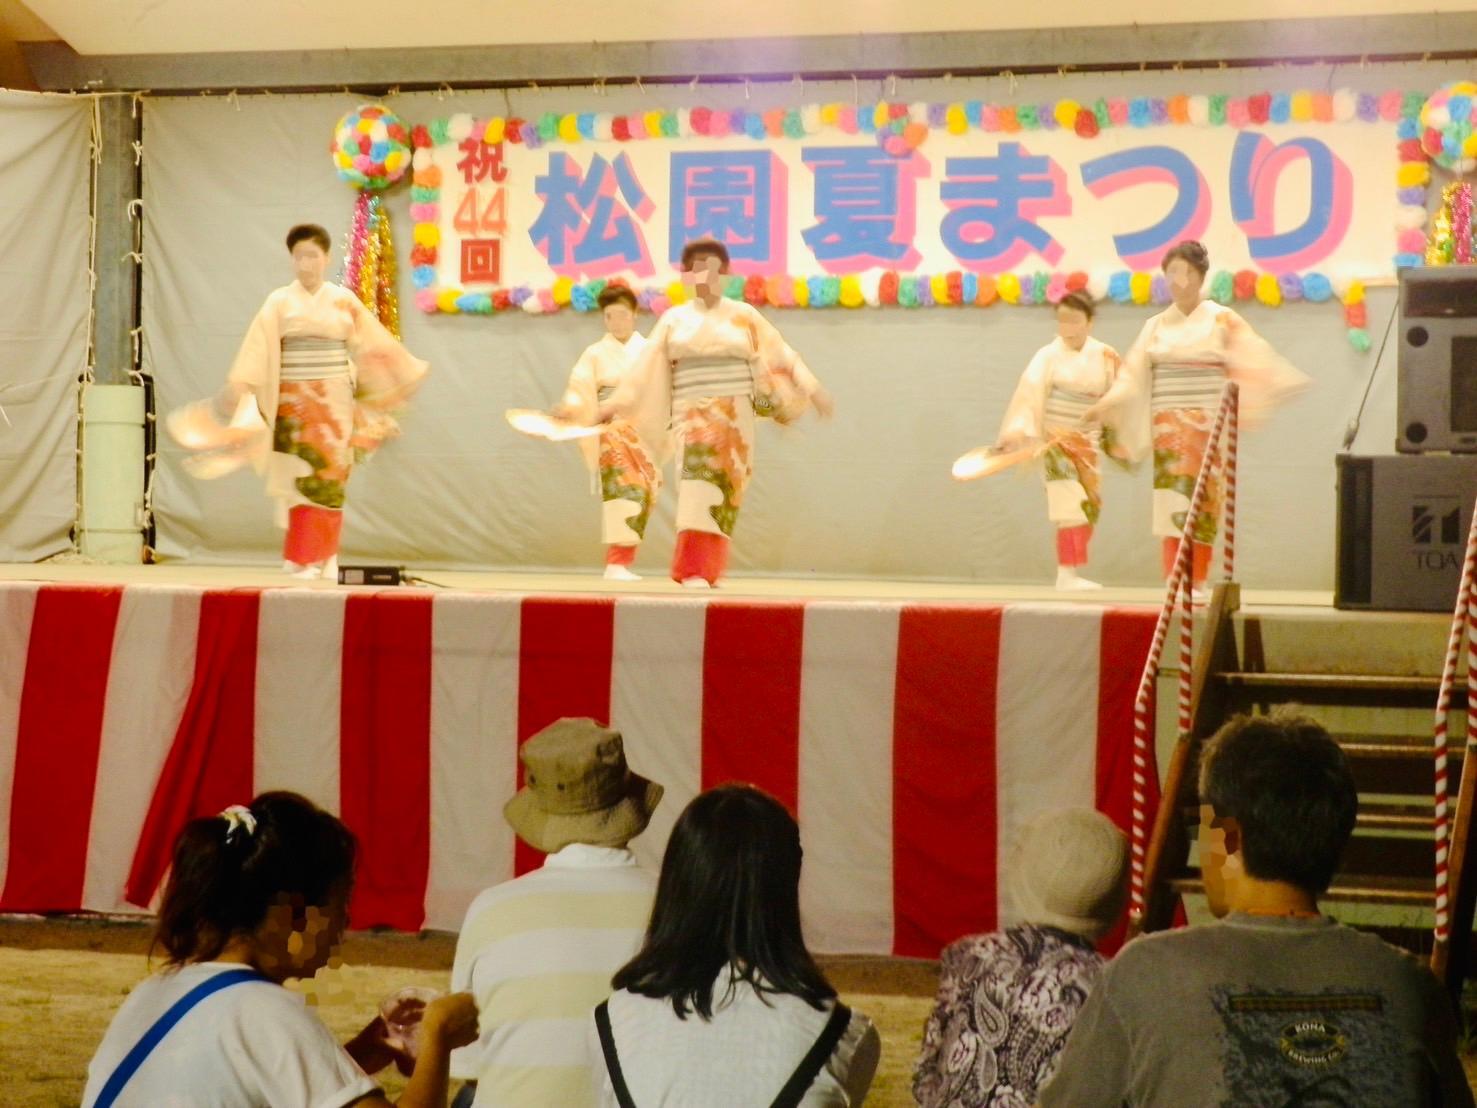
1262	1011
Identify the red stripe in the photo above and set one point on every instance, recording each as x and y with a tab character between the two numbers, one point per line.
385	754
751	697
1127	634
564	667
57	739
210	762
944	777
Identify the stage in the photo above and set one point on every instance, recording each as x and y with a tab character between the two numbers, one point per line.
913	727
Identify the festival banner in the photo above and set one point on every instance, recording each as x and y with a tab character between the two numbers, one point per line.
1296	195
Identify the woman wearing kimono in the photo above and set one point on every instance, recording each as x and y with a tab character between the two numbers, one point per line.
708	366
309	395
623	458
1172	381
1065	378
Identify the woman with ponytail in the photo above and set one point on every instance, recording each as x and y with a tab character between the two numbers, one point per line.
255	896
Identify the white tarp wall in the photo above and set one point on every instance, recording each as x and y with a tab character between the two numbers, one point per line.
867	495
44	300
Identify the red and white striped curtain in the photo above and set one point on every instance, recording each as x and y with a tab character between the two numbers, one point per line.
910	740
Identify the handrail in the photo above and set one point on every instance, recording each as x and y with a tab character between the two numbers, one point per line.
1463	630
1178	592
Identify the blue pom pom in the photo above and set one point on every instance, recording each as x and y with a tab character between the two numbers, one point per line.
1281	109
1407	261
754	125
973	112
866	122
1408	128
817	289
423	276
969	288
1138	112
1119	290
1460	107
584	123
1317	288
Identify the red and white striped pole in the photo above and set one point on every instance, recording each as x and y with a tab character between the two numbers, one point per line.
1233	434
1462	627
1180	585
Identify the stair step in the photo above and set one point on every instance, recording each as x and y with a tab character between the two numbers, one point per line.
1396	817
1361	890
1373	681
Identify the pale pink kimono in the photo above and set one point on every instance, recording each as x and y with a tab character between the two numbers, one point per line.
623	461
714	434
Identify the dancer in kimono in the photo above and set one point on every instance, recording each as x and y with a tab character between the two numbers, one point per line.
709	366
1171	384
1065	378
309	395
623	459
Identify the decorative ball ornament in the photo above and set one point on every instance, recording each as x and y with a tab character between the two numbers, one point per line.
1449	127
371	147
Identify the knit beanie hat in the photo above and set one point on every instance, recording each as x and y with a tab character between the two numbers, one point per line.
1069	871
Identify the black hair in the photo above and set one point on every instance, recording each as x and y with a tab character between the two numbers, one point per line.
1190	251
1288	785
704	246
309	232
616	294
224	878
729	895
1078	301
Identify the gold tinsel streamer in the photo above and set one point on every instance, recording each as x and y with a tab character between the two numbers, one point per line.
387	303
1439	248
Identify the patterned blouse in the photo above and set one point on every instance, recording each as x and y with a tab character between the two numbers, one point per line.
1006	1002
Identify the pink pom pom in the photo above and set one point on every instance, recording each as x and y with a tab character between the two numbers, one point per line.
1237	113
1118	112
989	118
546	299
364	164
1390	105
895	145
846	119
718	125
638	125
660	303
1056	287
425	300
1412	241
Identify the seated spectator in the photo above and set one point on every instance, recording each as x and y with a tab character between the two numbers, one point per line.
1007	1000
1275	1003
257	895
538	952
724	1004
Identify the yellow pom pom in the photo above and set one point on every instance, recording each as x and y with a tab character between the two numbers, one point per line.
1413	174
569	128
1008	285
802	292
955	119
880	116
1469	146
343	161
1268	291
426	234
851	292
364	126
653	121
677	293
830	114
1066	113
563	290
1141	288
1355	293
1301	107
1464	88
446	300
394	160
938	284
495	128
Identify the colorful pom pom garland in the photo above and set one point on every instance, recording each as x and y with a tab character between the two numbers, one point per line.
371	147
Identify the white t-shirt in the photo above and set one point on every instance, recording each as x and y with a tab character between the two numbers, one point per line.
741	1057
250	1045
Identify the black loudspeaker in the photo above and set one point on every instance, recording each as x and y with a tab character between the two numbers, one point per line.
1436	394
1402	530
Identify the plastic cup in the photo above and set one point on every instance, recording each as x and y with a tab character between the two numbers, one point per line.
402	1012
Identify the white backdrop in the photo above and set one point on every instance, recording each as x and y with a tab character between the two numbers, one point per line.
43	316
867	495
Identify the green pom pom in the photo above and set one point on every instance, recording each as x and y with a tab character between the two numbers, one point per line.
1100	109
1359	339
1028	118
907	292
1223	287
1218	109
440	131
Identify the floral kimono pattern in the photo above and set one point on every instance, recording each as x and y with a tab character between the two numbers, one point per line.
315	422
628	475
1181	438
1074	478
717	441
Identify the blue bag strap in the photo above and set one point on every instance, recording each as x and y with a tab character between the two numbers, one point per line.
162	1026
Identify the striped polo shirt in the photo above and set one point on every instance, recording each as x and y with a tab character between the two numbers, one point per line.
538	953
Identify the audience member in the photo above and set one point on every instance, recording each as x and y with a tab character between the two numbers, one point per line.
538	952
257	895
1275	1003
724	1004
1006	1000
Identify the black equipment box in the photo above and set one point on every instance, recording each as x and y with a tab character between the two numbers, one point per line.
1402	530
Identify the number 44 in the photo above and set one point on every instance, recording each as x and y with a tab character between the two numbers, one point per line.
472	218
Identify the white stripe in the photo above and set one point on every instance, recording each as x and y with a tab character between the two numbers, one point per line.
17	605
149	679
299	683
848	675
656	701
1046	722
474	748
